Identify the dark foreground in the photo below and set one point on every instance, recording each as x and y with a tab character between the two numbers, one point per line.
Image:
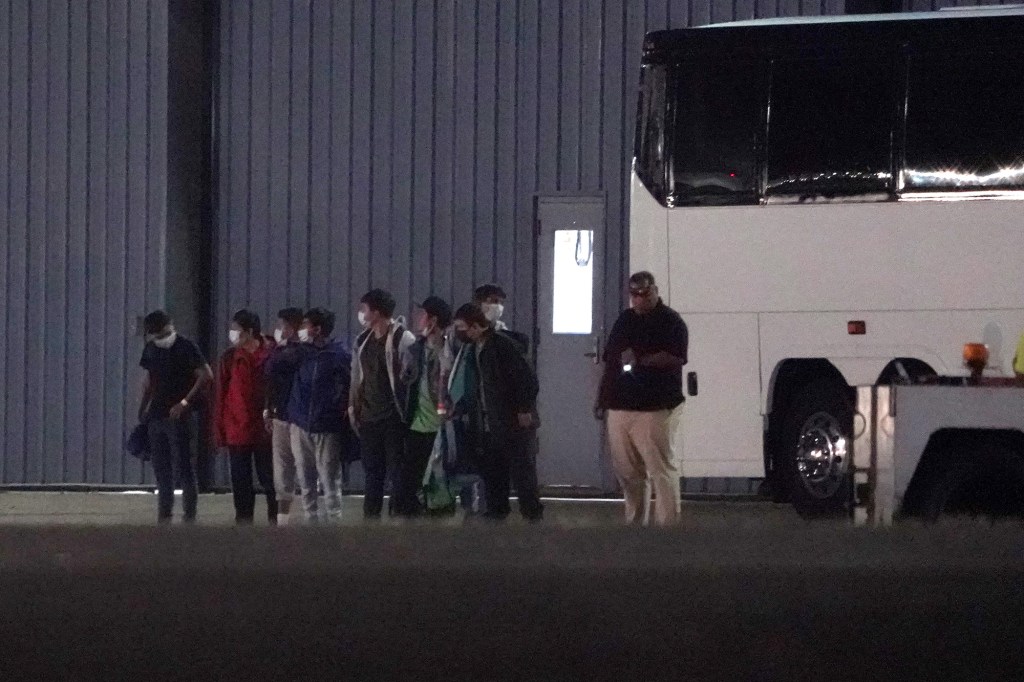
426	603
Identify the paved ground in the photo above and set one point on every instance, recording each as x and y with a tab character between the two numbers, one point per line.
740	592
120	508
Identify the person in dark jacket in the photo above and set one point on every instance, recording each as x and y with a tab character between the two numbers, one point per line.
377	397
238	416
425	376
641	396
281	366
177	375
316	409
491	299
507	399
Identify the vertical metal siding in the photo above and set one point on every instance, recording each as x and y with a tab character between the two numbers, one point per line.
400	144
82	112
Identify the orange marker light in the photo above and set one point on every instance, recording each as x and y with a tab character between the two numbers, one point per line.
856	327
975	356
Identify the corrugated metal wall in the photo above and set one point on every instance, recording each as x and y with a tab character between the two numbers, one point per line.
400	144
82	200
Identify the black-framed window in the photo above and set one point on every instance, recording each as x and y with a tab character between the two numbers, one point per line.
717	110
965	121
649	152
830	127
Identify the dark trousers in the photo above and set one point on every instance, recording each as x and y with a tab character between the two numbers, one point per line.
171	454
242	461
382	446
508	458
418	447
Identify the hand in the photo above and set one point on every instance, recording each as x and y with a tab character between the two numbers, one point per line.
525	420
628	357
178	411
599	413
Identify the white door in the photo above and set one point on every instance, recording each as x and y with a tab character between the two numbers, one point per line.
569	320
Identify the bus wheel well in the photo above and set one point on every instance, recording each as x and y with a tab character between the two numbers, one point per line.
973	470
915	369
790	376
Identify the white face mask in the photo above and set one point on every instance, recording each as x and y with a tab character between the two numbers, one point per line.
167	341
234	336
304	335
279	336
493	311
362	318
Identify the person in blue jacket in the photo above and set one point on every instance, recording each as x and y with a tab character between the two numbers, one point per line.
317	409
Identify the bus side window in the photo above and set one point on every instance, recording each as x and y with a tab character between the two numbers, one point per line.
830	127
965	121
714	136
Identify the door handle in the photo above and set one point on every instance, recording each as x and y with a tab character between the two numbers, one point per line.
595	354
691	384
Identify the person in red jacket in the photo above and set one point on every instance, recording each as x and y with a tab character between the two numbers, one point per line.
238	416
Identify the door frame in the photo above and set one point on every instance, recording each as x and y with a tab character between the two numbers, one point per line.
609	484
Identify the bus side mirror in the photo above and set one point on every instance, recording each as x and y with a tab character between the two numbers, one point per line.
691	384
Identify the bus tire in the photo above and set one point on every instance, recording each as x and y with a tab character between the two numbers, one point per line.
986	480
816	441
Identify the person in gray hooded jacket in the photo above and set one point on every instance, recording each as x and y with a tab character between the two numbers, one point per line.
377	399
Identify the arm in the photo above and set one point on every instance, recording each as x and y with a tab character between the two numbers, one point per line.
617	343
147	396
410	368
522	382
662	360
284	360
673	354
203	377
612	366
355	379
405	343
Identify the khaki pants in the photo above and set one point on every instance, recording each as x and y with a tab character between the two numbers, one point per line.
642	459
284	461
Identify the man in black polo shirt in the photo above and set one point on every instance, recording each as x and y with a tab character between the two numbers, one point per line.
641	388
176	375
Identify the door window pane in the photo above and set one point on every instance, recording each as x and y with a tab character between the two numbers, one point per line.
718	110
965	121
573	294
830	127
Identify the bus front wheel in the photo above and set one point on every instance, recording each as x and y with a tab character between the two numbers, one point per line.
817	441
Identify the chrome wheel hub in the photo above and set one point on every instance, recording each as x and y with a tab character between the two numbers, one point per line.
821	455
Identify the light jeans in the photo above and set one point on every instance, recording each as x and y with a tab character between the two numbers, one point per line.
643	459
318	455
284	460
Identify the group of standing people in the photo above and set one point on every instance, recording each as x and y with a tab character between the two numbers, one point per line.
296	407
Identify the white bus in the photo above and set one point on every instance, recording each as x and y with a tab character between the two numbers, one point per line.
828	202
